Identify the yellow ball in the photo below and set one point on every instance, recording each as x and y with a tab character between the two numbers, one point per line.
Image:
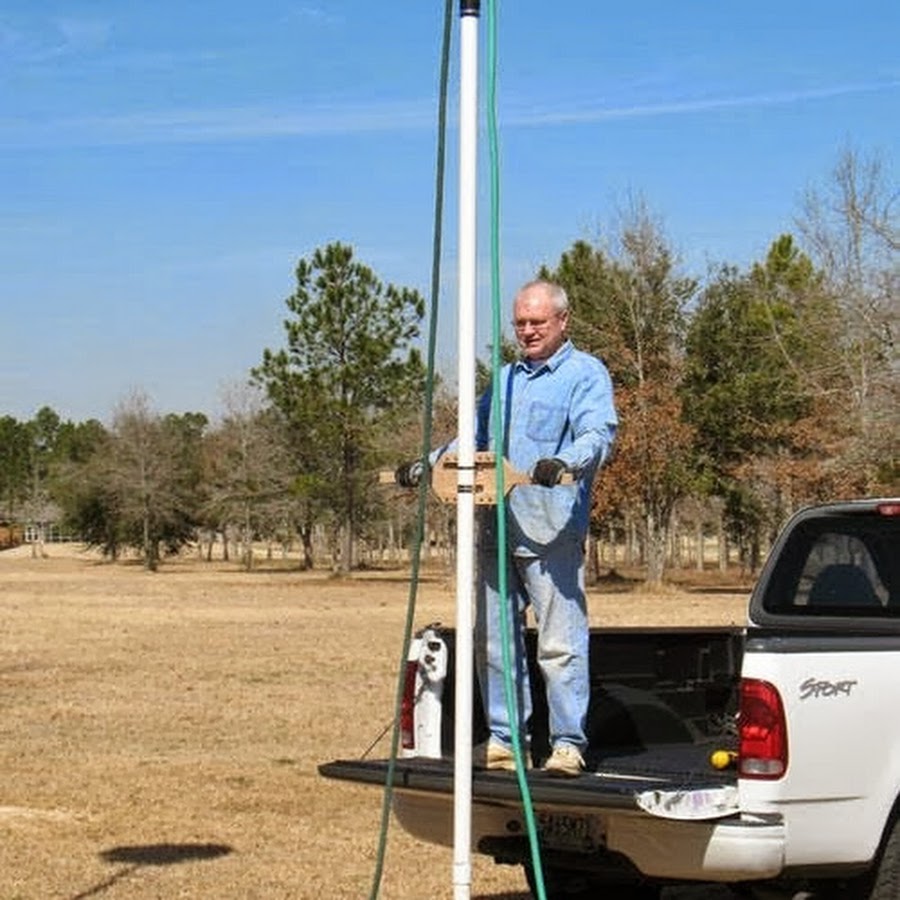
722	759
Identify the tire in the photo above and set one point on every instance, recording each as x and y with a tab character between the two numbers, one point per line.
886	884
882	882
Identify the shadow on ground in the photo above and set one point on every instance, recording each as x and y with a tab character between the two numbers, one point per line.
137	856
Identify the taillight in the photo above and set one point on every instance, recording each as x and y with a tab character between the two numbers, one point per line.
408	707
888	509
763	751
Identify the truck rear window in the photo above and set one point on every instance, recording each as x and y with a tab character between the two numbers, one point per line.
838	565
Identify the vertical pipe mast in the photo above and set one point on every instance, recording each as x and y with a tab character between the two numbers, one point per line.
465	506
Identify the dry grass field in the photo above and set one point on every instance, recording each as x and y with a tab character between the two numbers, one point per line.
160	733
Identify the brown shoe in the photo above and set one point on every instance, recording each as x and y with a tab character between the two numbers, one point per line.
565	761
494	755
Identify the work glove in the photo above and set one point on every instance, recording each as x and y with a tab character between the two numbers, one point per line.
547	472
409	474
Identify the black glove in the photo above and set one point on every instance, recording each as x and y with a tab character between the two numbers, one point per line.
409	474
547	472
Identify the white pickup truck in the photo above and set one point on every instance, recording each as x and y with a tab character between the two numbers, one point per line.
765	757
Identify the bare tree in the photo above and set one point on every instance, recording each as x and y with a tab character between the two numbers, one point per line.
852	231
151	471
629	307
248	469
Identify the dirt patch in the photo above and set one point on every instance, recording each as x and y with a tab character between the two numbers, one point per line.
160	733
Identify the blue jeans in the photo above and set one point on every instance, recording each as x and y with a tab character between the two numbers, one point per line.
553	585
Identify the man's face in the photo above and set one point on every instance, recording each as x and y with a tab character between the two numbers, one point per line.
540	328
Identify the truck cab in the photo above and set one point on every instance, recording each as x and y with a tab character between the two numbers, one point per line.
824	639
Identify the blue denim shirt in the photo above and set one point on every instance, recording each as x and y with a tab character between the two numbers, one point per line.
560	408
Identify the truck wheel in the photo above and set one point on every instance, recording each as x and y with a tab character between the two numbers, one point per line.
565	884
882	882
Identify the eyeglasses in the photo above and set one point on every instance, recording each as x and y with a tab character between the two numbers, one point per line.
536	324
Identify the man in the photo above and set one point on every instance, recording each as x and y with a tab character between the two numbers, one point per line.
557	416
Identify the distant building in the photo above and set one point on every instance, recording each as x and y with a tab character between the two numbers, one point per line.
11	534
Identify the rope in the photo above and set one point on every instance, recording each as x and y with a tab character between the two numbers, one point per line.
426	446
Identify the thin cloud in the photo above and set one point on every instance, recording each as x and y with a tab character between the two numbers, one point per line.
230	124
52	39
240	123
80	35
310	13
538	117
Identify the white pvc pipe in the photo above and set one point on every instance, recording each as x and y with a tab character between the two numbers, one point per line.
465	497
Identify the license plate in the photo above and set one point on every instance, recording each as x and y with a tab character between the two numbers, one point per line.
562	831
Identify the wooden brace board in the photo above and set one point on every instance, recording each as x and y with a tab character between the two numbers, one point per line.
445	478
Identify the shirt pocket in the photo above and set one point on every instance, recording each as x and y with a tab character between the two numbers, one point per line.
546	424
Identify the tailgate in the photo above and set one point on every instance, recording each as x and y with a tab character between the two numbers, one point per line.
622	781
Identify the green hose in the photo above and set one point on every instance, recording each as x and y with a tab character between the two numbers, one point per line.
426	446
496	365
497	416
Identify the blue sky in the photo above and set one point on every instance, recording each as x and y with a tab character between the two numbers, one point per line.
164	165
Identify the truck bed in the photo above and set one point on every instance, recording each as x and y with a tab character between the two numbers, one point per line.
662	700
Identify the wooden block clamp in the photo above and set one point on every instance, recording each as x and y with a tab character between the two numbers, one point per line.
445	477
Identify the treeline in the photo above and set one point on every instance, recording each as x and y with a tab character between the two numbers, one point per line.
742	396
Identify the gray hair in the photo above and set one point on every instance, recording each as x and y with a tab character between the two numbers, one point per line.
556	291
